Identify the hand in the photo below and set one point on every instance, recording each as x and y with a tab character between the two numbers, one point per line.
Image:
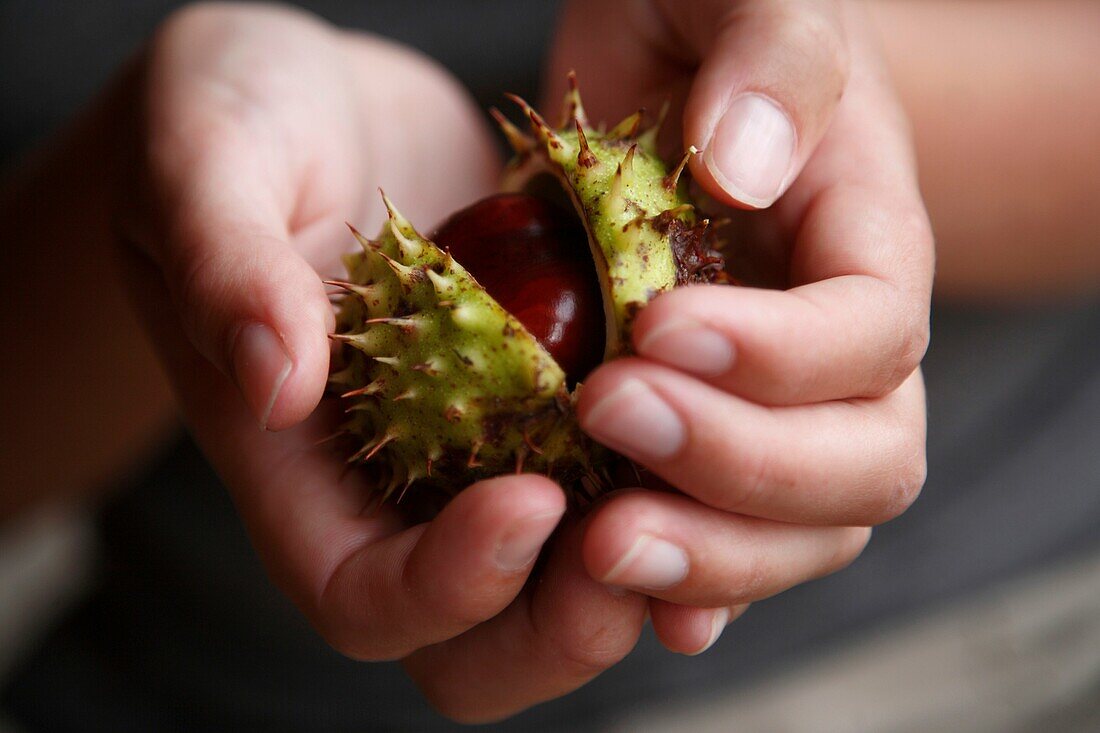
261	131
790	419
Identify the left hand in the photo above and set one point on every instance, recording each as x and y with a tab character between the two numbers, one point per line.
791	419
256	129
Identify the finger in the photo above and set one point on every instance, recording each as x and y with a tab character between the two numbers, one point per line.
757	81
247	300
688	630
861	263
435	581
771	74
676	549
558	635
854	335
850	462
857	328
254	308
227	155
856	324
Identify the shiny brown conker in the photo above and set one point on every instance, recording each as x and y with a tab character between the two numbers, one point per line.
532	256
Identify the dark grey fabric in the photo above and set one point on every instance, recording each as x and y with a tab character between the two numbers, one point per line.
183	632
54	54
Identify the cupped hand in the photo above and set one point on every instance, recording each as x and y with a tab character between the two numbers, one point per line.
790	416
251	134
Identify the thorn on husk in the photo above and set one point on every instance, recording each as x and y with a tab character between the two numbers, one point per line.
573	108
473	462
672	179
648	139
521	143
628	128
585	158
369	451
330	437
364	242
362	291
392	361
369	389
530	443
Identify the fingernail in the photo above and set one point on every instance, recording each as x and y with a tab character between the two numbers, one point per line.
650	563
717	626
751	150
521	544
633	419
261	366
689	345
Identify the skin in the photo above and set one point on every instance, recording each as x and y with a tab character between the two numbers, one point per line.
829	364
220	191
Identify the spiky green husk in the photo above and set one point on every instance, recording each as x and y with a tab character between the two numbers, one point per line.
629	202
445	385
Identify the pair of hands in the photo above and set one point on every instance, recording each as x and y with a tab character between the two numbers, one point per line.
791	419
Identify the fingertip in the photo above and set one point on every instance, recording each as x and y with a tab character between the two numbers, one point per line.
606	378
625	546
667	331
689	630
605	529
763	97
261	366
284	385
748	158
527	493
510	517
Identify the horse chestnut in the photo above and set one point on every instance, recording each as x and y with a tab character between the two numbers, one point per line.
460	366
533	258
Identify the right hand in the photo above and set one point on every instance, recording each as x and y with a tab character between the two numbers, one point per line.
249	135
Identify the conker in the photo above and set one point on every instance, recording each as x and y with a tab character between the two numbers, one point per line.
532	256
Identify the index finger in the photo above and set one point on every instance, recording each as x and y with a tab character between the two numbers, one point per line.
855	322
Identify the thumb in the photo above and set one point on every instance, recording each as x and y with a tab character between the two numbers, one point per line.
246	299
770	76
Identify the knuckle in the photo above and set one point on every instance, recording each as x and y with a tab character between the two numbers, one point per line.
915	343
911	344
196	108
456	601
468	608
910	335
755	474
748	578
589	652
199	275
912	302
911	482
585	646
908	481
